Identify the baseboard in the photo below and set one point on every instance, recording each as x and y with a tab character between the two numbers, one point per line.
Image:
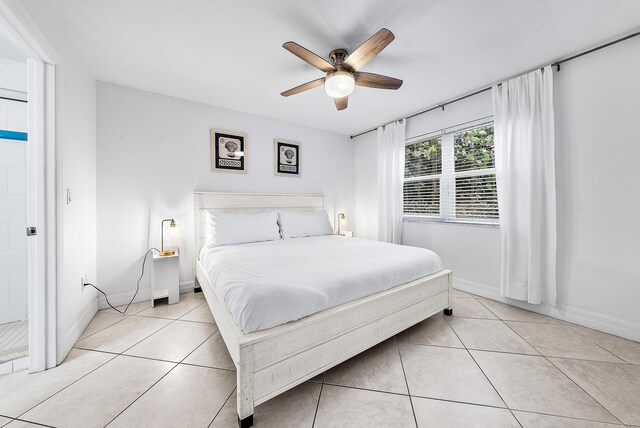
14	365
588	319
143	295
74	333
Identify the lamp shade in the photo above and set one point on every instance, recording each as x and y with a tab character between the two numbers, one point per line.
339	84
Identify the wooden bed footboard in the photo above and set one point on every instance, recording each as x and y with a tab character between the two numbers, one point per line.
272	361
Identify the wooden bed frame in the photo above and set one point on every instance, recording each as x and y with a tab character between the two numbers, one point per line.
272	361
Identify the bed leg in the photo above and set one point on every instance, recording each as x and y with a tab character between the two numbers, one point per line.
448	311
246	422
244	391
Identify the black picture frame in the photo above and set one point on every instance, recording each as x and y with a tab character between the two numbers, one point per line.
287	157
228	151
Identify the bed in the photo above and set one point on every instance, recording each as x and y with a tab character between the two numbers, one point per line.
346	306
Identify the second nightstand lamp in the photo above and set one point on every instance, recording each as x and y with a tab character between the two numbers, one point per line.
162	251
341	218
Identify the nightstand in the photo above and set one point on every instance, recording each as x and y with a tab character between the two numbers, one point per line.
165	278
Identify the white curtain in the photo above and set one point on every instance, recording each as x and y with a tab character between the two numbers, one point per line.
525	172
391	142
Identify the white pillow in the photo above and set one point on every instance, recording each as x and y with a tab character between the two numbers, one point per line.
241	228
298	224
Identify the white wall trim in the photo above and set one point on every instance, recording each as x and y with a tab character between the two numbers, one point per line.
143	295
69	340
589	319
14	365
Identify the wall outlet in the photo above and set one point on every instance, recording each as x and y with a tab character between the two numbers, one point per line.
83	281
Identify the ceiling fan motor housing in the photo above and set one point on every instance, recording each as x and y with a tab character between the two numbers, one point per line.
337	57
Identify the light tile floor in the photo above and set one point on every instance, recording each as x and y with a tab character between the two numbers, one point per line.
490	365
14	341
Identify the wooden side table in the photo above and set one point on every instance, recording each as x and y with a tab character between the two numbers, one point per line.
165	278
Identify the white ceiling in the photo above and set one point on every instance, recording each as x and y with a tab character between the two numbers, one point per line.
229	54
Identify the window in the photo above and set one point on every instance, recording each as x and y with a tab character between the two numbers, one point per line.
452	177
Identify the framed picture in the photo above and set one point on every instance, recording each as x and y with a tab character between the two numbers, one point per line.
228	151
287	157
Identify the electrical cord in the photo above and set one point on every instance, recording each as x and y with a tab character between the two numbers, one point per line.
144	260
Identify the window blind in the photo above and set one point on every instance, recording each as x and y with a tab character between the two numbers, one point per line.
452	177
422	172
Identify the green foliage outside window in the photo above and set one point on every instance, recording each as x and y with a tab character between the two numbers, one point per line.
474	149
475	192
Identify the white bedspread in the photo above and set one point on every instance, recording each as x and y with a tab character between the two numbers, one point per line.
265	284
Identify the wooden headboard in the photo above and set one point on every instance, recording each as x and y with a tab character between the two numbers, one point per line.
246	202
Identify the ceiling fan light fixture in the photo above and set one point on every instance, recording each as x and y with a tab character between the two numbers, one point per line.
339	84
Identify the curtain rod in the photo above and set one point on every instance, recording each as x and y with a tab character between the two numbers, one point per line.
480	91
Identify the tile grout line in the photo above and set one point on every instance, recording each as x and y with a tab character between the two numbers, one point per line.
597	344
593	398
505	407
415	419
163	376
547	359
482	371
211	367
116	355
30	422
474	360
145	391
622	361
59	391
124	317
223	404
315	415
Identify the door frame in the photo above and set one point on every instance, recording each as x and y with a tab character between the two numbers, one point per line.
18	26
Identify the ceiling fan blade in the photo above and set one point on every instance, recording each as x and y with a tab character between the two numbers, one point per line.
308	56
369	49
304	87
341	103
372	80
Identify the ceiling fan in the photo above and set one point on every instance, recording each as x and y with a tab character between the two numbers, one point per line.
342	73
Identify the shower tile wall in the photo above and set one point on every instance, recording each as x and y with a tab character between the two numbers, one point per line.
13	199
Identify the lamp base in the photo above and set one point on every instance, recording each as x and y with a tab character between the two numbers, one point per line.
167	253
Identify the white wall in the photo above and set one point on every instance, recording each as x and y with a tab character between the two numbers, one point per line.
598	177
153	153
13	202
597	174
76	169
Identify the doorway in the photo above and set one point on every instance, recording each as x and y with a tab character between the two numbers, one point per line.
14	290
28	264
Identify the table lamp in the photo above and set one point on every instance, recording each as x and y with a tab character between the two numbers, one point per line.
341	218
162	251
